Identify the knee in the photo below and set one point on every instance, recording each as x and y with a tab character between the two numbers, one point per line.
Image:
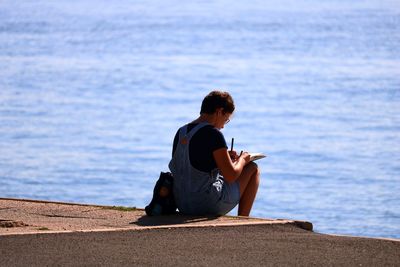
255	171
253	167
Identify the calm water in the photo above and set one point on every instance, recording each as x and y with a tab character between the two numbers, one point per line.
92	92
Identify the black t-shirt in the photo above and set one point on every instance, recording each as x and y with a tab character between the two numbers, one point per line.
202	145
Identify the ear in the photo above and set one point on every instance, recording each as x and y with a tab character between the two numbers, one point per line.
219	111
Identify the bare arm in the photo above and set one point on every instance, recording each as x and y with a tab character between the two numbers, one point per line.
230	170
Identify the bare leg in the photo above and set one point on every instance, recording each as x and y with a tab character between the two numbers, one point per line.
249	180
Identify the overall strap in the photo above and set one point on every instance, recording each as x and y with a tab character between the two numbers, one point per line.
185	136
190	134
183	131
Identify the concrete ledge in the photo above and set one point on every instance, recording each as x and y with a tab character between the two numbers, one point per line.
26	216
45	233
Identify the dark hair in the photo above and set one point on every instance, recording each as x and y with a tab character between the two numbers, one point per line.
215	100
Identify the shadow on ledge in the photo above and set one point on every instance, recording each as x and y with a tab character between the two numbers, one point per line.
171	219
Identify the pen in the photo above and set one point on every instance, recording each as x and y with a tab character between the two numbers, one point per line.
233	140
241	152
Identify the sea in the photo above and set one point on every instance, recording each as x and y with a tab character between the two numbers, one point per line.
92	93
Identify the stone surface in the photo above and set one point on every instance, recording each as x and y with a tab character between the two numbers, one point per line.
44	216
65	234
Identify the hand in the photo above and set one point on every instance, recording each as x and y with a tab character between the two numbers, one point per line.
245	156
233	155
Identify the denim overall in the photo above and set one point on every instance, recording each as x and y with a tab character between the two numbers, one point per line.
197	192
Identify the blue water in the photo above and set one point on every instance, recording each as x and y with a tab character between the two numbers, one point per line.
92	92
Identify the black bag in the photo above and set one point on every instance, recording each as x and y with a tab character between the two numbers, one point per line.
163	201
